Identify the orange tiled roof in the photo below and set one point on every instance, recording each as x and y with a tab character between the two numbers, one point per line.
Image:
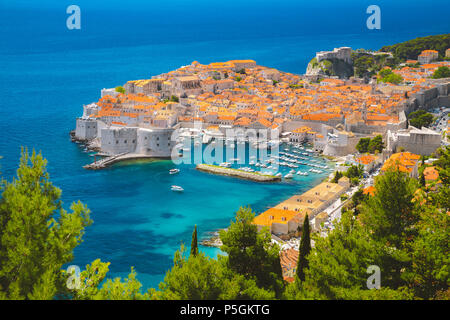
369	190
274	216
405	161
431	174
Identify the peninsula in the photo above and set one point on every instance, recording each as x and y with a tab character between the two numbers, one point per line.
330	112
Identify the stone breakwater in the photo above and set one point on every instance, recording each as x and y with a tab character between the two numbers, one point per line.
254	176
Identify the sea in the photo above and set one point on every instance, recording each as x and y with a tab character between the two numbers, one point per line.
47	73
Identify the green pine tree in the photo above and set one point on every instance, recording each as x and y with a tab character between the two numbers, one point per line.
305	248
37	236
251	252
194	244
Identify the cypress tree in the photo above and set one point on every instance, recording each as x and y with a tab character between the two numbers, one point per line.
194	245
305	248
422	179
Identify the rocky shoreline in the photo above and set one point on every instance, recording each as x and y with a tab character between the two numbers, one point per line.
213	241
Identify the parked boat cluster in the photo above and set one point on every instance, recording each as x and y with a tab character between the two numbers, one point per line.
292	157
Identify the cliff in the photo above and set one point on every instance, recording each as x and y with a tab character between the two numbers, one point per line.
330	67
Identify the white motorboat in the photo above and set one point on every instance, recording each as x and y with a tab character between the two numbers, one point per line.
225	164
177	188
174	171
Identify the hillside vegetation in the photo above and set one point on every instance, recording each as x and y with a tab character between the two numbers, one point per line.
412	48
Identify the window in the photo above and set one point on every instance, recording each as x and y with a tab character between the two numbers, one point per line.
117	141
125	141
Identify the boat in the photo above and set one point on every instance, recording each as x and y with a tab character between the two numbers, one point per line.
176	188
288	176
225	164
174	171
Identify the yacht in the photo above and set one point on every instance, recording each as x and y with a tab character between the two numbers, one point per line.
174	171
288	176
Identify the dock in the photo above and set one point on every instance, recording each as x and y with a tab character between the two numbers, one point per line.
109	160
253	176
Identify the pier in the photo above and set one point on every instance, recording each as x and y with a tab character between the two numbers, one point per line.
105	162
108	161
254	176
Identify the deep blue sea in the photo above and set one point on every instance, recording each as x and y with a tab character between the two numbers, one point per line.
48	72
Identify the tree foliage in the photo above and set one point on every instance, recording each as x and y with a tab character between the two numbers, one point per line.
337	176
37	235
120	89
369	145
251	253
194	243
412	48
363	145
387	76
420	118
305	249
441	72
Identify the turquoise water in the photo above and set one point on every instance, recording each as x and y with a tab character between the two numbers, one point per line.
48	72
140	222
